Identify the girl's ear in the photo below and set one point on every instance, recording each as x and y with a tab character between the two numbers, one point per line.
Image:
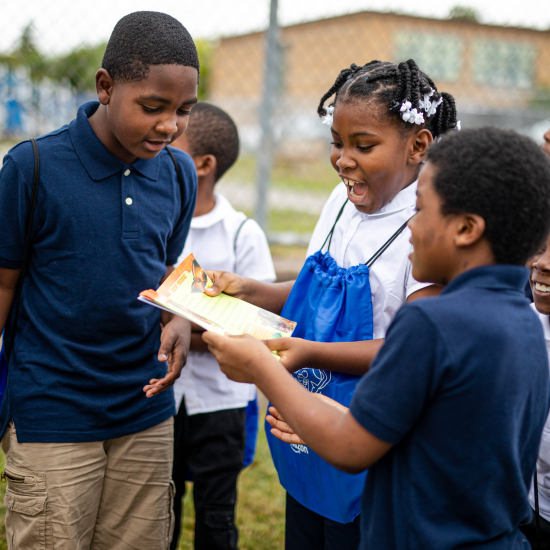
205	164
420	142
104	86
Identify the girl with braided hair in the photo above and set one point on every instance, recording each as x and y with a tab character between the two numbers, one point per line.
357	275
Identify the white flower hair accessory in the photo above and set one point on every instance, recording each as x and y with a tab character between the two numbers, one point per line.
327	119
430	106
411	115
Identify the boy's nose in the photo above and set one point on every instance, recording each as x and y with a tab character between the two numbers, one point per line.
543	263
168	126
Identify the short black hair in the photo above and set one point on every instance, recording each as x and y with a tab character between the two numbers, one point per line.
504	178
211	131
146	38
390	85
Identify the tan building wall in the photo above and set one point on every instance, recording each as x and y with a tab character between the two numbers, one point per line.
315	52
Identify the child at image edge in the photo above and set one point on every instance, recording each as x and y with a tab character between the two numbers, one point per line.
540	287
209	429
450	415
356	277
88	456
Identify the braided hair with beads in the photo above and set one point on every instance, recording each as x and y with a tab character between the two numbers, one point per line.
398	87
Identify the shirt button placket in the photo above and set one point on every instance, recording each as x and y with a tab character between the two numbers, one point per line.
129	215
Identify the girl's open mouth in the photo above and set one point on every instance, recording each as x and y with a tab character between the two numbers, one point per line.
356	189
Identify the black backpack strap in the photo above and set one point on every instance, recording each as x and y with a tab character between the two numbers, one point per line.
235	242
27	250
329	236
386	245
179	176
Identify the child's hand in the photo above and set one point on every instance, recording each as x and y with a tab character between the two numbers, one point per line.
295	353
225	281
281	430
240	357
174	346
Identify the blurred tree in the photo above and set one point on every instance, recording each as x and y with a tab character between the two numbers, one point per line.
26	53
465	13
205	48
79	66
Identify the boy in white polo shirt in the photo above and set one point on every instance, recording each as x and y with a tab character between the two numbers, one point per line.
210	424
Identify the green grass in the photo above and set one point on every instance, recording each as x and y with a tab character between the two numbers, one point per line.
260	508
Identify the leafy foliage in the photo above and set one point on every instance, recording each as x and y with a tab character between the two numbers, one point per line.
464	13
80	65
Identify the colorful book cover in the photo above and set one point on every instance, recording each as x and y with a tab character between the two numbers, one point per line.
183	294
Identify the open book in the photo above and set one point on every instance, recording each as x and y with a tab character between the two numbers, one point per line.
183	294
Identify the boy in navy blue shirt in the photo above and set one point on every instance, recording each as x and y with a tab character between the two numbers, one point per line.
88	455
450	415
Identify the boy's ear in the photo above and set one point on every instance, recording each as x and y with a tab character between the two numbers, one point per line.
205	164
470	230
104	86
419	145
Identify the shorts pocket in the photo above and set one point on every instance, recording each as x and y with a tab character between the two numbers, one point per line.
28	524
25	521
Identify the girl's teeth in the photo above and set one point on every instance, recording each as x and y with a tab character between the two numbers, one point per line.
542	288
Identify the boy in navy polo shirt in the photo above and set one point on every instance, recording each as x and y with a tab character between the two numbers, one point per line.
450	415
88	456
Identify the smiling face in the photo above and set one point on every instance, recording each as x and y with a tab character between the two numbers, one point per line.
539	279
137	119
373	158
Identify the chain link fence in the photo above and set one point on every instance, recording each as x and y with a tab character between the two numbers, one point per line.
268	70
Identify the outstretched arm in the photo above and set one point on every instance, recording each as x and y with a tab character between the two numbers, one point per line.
270	296
348	357
331	432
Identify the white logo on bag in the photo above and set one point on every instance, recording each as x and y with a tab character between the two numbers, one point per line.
313	380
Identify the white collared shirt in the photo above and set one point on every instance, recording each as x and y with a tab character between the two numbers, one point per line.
358	236
543	461
211	239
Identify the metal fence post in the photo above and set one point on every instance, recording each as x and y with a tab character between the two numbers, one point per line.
271	84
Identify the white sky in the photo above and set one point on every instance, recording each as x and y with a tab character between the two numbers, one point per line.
62	24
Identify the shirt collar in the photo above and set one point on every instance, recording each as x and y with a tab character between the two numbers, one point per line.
218	213
406	198
494	277
98	161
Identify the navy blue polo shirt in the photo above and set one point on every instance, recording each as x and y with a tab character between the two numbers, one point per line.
461	389
103	231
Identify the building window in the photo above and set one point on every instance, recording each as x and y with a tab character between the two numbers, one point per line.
503	64
437	55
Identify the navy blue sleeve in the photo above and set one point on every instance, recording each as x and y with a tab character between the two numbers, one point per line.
179	235
15	193
404	376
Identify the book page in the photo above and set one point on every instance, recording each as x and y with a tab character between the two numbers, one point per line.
183	293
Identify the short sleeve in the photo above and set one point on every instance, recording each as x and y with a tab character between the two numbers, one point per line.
253	255
411	284
404	376
15	193
179	235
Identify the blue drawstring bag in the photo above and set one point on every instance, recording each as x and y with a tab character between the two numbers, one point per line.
330	304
